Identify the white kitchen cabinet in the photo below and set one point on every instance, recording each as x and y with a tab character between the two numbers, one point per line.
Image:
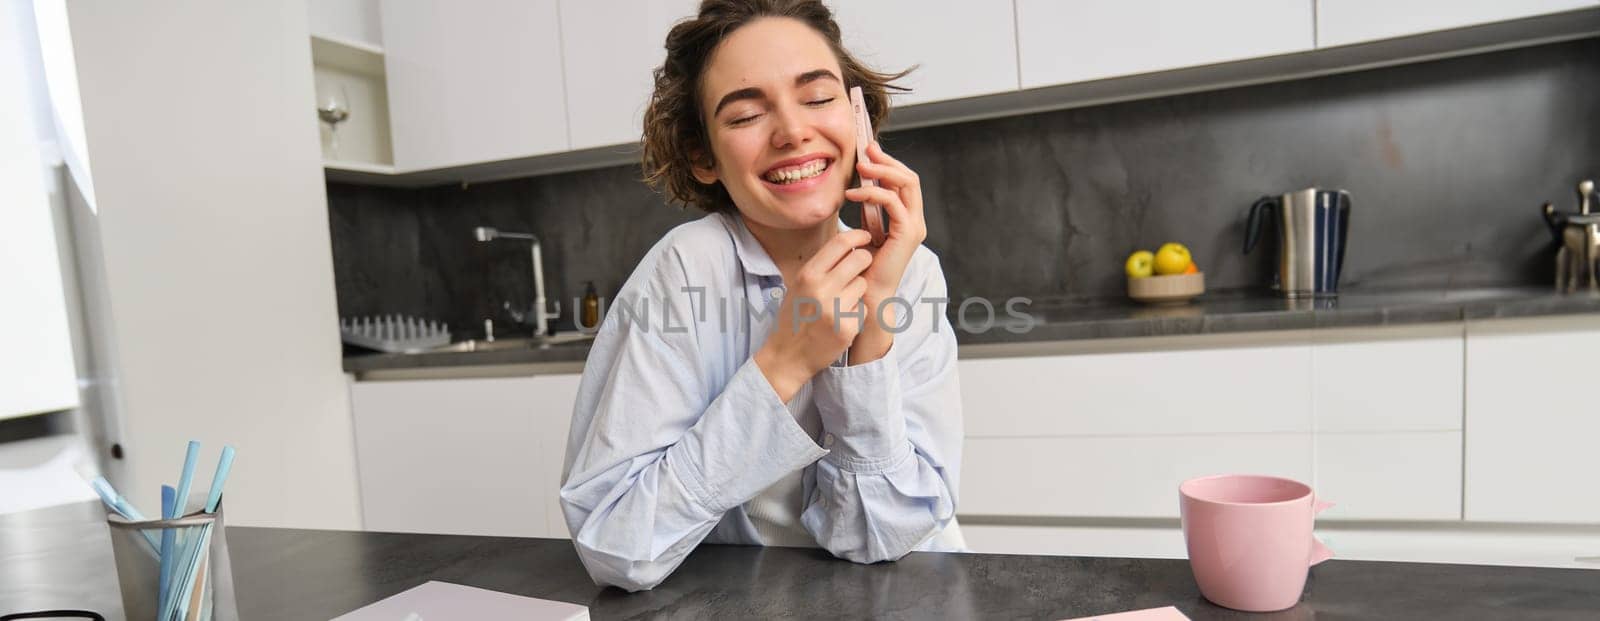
1117	477
152	239
1371	417
463	456
37	368
1130	541
1387	410
1111	430
609	49
1390	476
1063	42
473	81
1232	384
962	48
345	20
1388	379
1532	423
1341	22
1531	547
554	397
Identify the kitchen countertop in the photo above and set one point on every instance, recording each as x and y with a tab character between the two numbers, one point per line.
61	558
1073	320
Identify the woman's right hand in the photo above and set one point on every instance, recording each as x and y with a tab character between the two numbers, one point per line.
809	334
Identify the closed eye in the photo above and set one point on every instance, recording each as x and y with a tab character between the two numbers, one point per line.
746	119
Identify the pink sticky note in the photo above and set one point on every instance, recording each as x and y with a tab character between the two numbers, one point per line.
1167	613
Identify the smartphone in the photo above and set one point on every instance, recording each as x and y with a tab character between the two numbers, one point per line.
873	217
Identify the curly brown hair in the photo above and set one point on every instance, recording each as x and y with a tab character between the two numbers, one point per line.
675	136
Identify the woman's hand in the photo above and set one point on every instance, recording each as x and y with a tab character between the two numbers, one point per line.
899	191
809	335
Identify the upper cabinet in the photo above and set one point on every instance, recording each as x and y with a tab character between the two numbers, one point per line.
1062	42
960	48
487	89
345	20
610	49
473	81
1340	22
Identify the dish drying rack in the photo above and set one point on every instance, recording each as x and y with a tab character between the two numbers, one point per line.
394	333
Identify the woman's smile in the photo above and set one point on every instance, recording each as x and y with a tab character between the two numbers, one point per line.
798	175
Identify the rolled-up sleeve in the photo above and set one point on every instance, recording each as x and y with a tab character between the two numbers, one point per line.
893	428
656	456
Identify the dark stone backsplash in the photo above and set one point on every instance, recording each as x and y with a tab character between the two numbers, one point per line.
1447	162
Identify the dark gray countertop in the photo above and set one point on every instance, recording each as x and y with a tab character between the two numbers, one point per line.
1068	320
61	558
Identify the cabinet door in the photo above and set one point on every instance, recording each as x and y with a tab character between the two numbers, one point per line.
1387	405
462	456
1403	379
473	81
609	49
1532	423
347	20
1114	476
1063	42
1390	476
962	48
1340	22
1236	384
553	398
1112	433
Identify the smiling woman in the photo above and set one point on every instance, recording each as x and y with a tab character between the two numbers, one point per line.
676	136
798	412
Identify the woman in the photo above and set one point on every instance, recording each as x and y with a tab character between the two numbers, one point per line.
766	376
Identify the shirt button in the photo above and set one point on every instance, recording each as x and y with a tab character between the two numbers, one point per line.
827	441
776	293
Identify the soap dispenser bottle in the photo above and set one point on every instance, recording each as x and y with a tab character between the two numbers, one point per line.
589	317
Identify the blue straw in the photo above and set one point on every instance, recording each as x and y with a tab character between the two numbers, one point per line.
224	464
120	505
114	500
168	501
190	459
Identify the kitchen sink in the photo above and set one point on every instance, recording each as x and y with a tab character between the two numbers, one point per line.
562	338
559	338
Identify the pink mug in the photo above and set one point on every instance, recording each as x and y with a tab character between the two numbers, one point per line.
1249	538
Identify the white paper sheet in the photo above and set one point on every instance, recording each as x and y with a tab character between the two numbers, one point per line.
442	601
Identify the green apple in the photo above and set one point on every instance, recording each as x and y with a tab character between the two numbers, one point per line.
1140	264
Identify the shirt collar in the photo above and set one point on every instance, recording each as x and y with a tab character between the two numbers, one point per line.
752	256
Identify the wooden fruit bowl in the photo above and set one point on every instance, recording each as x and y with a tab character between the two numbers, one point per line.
1172	289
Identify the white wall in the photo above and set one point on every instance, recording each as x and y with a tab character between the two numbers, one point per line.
214	236
37	373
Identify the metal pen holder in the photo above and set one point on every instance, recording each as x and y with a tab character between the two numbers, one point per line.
136	546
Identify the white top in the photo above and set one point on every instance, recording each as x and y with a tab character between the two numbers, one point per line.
776	510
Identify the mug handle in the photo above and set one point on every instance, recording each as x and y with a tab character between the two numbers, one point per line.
1263	206
1319	551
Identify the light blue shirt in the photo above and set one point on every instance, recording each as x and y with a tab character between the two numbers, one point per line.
676	430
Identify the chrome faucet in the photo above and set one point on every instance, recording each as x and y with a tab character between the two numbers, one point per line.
541	317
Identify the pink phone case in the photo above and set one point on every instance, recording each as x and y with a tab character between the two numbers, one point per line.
873	217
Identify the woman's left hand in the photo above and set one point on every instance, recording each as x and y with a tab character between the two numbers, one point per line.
899	191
